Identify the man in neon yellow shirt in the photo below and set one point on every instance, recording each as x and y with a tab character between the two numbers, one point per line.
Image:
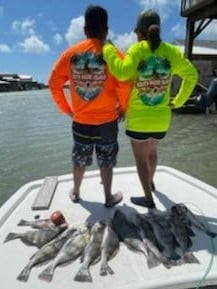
150	64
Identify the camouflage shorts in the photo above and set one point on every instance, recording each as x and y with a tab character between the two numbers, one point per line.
101	138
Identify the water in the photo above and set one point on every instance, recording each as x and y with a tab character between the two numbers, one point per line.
35	141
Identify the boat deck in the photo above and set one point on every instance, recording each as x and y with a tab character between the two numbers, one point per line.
131	271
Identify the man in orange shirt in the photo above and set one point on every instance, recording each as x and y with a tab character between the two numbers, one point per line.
98	100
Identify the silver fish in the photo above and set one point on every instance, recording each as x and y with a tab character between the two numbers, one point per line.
92	252
109	248
182	210
37	224
45	253
71	250
38	237
164	235
129	234
180	232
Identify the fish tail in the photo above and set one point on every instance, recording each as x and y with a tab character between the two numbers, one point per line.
152	260
105	269
47	274
11	236
24	274
167	262
190	258
83	275
23	223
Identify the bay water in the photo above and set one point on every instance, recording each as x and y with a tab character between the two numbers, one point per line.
36	141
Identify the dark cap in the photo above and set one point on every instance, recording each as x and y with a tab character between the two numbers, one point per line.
145	20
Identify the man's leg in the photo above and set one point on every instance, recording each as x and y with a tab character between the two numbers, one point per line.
106	151
81	157
78	173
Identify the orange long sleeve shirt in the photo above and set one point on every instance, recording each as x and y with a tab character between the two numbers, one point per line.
96	96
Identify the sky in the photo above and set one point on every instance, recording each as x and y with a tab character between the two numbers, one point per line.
33	33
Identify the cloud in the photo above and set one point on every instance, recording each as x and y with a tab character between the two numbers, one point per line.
123	41
163	7
34	44
210	32
75	31
4	48
26	26
178	31
57	39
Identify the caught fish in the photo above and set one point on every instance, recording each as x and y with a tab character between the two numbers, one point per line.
148	237
182	210
45	253
37	238
71	250
109	248
181	234
129	234
92	252
165	237
37	224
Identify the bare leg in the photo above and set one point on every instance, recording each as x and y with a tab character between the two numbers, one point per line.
110	199
152	158
145	154
106	176
78	173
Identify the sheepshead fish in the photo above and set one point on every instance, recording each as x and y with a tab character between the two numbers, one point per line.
45	253
164	235
92	252
109	248
37	224
38	237
181	234
71	250
129	234
183	211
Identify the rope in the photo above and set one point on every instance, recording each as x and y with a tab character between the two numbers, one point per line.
210	264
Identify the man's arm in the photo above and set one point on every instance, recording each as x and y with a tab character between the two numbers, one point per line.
58	78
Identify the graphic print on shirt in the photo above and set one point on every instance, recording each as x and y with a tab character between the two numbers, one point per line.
88	74
153	79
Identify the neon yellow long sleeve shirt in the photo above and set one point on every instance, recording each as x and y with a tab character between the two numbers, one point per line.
151	72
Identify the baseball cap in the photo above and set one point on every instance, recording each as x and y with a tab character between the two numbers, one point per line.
146	19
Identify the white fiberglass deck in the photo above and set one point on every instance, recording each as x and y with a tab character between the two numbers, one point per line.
131	271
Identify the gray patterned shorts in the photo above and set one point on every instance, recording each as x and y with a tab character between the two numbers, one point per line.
101	138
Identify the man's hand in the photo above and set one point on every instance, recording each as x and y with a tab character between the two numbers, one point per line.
121	115
70	114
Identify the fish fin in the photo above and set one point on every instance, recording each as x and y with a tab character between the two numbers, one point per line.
83	275
24	274
190	258
190	243
175	256
211	234
190	232
23	223
152	260
11	236
47	274
96	260
105	269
